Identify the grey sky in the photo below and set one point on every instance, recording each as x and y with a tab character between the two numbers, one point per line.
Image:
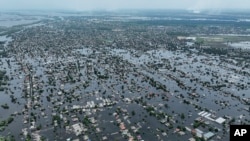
124	4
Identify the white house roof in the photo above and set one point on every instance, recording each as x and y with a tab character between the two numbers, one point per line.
220	120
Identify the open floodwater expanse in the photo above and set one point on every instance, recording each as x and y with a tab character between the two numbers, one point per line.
145	75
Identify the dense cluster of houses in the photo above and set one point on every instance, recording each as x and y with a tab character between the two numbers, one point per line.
82	78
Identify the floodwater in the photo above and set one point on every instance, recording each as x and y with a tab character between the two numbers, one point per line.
9	20
195	66
242	45
5	39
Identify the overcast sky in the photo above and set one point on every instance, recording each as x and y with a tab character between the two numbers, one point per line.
124	4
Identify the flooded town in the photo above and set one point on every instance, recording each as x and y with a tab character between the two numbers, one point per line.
118	76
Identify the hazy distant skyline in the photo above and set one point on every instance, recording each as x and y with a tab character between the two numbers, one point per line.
82	5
